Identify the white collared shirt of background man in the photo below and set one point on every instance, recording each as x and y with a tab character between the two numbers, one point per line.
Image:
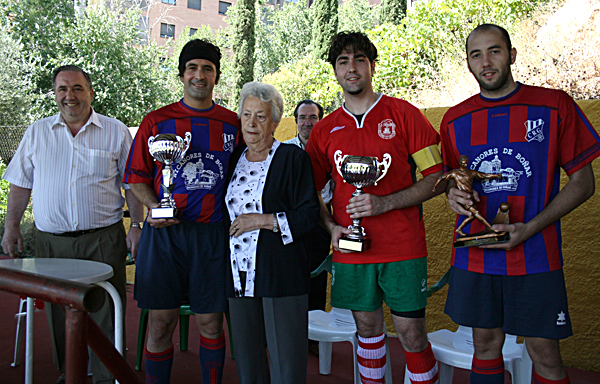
75	181
327	191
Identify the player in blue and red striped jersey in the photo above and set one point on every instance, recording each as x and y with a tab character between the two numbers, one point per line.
527	134
185	257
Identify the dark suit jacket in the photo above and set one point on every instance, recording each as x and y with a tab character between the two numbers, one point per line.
283	270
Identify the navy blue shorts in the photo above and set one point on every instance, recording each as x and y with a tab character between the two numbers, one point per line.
530	305
186	260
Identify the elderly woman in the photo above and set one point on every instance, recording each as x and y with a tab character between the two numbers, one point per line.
273	205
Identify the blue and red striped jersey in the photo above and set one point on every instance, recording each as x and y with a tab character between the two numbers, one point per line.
199	179
527	136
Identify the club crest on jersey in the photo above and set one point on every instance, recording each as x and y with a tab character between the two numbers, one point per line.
535	130
196	174
509	181
228	142
387	129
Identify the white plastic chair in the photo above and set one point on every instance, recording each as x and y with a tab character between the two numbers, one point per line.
455	349
334	326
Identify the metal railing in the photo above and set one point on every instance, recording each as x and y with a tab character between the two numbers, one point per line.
78	299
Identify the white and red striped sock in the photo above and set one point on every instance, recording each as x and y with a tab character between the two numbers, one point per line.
422	366
371	359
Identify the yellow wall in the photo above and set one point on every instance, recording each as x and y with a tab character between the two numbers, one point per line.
581	250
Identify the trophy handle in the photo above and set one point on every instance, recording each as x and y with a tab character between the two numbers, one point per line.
385	164
338	158
150	141
188	138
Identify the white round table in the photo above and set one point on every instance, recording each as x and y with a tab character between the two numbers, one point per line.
83	271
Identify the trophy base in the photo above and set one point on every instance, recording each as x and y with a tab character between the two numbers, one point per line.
486	237
163	213
356	245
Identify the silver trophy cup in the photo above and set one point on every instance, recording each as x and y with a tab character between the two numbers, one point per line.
360	172
167	149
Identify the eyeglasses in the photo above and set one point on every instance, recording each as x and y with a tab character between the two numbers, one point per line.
312	118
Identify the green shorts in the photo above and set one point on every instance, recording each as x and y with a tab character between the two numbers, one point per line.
363	287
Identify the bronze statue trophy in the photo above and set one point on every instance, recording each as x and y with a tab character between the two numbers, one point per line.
361	172
168	149
463	178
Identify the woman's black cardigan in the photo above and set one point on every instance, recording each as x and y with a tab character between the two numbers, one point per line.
283	270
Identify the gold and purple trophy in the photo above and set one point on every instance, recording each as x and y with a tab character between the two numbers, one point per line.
360	172
167	149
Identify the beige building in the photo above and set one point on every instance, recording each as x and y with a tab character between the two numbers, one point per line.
166	19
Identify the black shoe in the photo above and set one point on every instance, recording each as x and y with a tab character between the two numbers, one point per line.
61	379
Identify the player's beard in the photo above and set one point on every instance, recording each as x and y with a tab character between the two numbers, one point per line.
499	83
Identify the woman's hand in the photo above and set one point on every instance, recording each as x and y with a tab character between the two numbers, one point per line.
249	222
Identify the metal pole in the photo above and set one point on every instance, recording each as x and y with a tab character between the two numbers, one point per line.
76	325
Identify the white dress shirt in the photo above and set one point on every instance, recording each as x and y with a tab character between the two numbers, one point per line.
327	192
75	181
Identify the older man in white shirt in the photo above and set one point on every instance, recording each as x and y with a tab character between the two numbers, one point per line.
71	164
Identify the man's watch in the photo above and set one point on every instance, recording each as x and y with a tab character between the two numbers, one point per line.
136	224
275	224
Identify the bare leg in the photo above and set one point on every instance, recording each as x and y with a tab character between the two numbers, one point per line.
411	332
162	323
545	354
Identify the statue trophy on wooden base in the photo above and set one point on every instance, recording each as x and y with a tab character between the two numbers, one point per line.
463	178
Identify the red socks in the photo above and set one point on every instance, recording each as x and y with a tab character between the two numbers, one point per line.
487	371
422	366
212	358
158	366
371	359
537	379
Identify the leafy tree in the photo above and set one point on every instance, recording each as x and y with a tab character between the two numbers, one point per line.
40	25
281	36
325	25
16	71
127	79
307	78
358	15
242	18
392	11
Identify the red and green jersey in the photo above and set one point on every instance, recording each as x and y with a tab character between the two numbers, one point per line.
391	126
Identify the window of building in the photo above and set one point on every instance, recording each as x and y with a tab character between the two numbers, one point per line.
167	30
194	4
172	2
223	6
193	31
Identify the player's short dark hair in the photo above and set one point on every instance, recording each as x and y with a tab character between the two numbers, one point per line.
489	27
200	49
352	42
307	101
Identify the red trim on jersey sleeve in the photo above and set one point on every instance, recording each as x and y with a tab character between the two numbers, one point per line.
432	170
518	130
515	258
140	164
479	137
216	136
578	140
